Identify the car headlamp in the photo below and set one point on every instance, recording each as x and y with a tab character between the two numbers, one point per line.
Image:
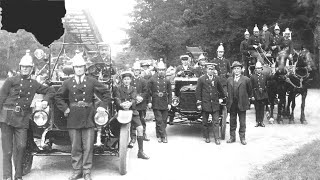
175	101
40	117
101	118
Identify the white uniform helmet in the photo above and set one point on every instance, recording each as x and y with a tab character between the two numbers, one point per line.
136	66
276	27
220	48
78	60
259	65
201	57
287	31
247	32
161	65
26	60
256	28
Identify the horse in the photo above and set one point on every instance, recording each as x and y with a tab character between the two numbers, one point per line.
277	85
298	82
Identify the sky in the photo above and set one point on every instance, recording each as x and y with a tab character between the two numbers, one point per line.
110	17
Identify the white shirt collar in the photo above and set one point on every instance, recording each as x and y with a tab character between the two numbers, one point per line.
77	78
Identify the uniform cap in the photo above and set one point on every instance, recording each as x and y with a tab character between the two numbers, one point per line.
126	74
212	65
220	48
184	57
276	27
255	28
26	60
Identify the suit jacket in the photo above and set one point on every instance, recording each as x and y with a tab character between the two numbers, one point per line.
140	85
244	89
208	93
20	91
81	117
224	69
156	87
259	86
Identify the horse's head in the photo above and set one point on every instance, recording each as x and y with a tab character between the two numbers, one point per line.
282	59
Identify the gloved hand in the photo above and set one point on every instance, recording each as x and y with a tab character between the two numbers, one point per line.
273	47
149	105
139	99
66	112
255	46
220	101
169	106
290	56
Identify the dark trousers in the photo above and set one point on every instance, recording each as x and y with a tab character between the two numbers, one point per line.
142	115
13	138
206	125
245	61
259	107
161	122
82	148
234	111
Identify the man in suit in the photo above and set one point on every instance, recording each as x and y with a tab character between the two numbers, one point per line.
140	84
266	37
208	91
239	91
126	98
260	95
16	95
244	49
160	94
79	91
185	60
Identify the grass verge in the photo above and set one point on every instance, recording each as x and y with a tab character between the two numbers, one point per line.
304	164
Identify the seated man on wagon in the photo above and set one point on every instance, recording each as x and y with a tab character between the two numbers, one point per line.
185	60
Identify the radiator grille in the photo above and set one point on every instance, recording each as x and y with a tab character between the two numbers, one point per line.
188	101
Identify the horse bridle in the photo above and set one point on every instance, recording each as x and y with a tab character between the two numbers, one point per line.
299	77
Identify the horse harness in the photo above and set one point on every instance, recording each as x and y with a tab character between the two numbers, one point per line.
299	77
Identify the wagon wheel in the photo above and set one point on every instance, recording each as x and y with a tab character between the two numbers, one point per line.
223	122
123	148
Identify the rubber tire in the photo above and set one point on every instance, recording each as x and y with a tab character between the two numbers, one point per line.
223	123
123	148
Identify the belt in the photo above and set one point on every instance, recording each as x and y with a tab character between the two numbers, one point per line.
80	104
160	94
16	108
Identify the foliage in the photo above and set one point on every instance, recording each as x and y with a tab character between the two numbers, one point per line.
163	28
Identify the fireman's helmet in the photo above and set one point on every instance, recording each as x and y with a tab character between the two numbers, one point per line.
26	60
276	27
220	48
256	28
78	60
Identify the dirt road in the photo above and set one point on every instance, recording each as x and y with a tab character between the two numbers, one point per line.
187	156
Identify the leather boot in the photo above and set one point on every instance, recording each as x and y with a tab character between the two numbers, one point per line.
76	175
131	143
231	140
141	154
217	141
165	139
145	138
243	141
87	176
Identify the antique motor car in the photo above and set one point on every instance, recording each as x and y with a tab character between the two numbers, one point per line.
48	135
184	107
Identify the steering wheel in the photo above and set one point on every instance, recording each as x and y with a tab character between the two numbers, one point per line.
185	73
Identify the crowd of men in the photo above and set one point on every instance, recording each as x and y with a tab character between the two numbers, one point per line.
138	90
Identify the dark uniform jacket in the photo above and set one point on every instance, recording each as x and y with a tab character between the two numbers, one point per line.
287	43
81	117
276	40
224	68
160	92
244	90
123	94
266	37
244	47
180	68
140	84
255	40
259	86
19	91
208	92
